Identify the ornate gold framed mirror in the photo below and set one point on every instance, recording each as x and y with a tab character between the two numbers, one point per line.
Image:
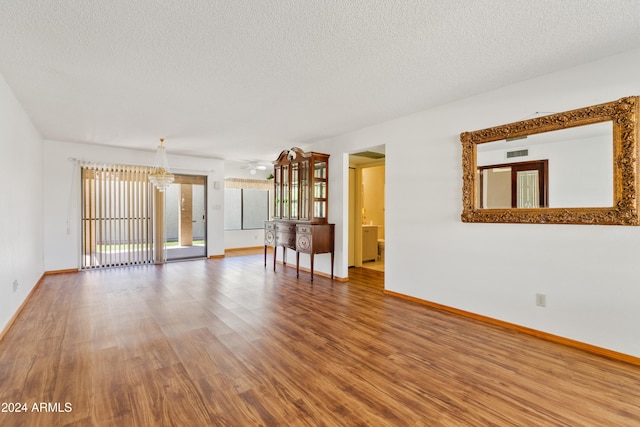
575	167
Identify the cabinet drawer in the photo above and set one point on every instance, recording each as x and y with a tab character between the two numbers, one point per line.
286	228
286	239
269	233
303	229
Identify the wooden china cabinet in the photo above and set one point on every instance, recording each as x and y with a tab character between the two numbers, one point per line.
301	204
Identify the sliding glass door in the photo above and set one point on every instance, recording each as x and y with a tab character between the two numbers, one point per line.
120	225
185	218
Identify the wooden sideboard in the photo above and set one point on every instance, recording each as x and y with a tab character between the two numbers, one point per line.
301	206
303	238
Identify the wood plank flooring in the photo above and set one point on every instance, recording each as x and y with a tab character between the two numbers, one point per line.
228	342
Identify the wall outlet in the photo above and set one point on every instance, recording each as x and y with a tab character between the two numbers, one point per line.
15	285
541	300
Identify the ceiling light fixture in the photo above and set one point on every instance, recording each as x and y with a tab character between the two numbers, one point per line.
253	168
160	176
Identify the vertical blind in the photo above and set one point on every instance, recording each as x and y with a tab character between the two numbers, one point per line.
528	189
117	216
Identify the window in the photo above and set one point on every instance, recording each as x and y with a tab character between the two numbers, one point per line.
245	208
232	208
255	208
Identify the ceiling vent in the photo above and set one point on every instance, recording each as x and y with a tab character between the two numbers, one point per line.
516	138
369	155
517	153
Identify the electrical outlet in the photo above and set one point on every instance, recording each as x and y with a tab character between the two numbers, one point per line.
15	285
541	300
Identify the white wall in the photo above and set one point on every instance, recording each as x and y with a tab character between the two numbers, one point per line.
21	190
234	239
62	195
590	274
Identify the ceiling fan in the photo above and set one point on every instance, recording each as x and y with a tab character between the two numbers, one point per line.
254	167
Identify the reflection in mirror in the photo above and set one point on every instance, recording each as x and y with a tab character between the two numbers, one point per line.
494	191
515	185
574	167
578	170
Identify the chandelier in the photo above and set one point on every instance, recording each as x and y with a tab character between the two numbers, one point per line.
160	176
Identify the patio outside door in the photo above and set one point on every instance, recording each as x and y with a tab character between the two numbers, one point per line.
185	219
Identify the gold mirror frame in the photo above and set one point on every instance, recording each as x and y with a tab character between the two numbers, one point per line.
623	114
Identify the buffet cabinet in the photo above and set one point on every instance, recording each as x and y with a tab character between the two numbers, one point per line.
301	204
303	238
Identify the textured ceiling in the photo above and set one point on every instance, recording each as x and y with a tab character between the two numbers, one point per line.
243	79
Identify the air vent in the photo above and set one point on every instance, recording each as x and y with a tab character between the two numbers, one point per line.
516	138
517	153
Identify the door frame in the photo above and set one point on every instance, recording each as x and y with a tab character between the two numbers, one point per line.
189	179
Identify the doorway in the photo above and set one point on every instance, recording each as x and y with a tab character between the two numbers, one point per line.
367	209
185	218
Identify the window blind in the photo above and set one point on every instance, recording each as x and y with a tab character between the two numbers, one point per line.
117	215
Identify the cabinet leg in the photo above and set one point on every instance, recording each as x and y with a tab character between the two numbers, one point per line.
312	266
297	264
332	256
265	255
275	252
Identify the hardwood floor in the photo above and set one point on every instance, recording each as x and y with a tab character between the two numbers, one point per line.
228	342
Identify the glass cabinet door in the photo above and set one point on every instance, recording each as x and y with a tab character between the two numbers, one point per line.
320	170
320	189
293	200
301	183
285	192
305	210
320	200
277	183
